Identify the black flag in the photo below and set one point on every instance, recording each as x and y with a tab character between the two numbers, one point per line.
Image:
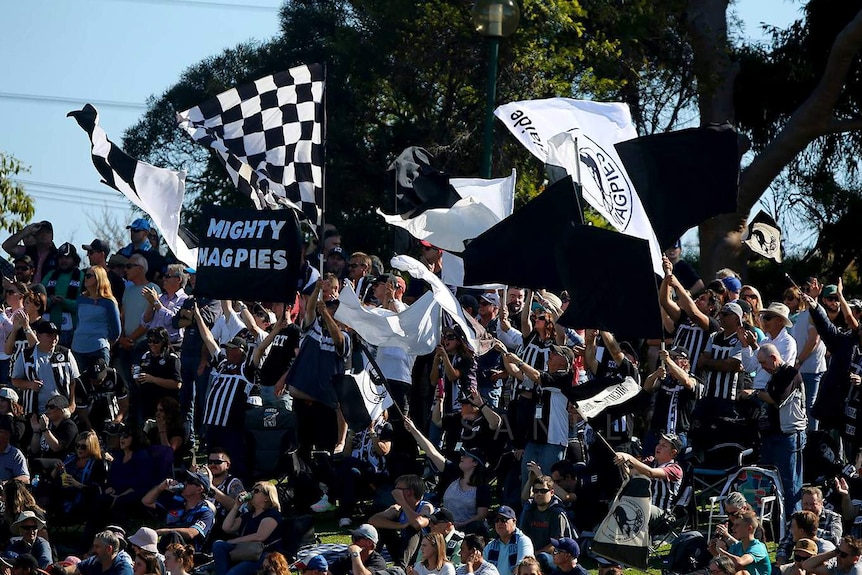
683	178
764	237
524	242
611	283
623	536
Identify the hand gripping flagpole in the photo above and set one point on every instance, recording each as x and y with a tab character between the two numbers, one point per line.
377	374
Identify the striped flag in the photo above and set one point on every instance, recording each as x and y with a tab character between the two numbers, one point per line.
270	136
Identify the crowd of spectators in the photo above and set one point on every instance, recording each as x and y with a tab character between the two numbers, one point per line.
116	380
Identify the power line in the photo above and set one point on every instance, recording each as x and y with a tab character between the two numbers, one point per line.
68	100
98	191
79	201
74	199
206	4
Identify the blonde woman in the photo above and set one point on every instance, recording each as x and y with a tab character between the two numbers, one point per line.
752	297
98	319
254	518
434	560
81	477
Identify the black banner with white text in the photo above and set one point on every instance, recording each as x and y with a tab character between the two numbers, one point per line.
248	255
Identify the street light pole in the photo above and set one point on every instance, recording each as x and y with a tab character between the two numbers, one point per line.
490	100
495	19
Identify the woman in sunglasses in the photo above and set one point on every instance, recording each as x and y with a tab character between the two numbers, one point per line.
98	319
160	375
22	334
256	520
13	296
78	481
128	478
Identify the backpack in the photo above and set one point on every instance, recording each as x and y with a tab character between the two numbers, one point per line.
688	552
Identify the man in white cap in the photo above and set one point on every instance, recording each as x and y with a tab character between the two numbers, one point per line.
28	525
774	319
361	558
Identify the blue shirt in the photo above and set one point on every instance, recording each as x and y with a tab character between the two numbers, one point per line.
92	566
12	464
201	518
761	565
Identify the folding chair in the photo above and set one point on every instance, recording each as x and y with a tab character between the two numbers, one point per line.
712	467
761	487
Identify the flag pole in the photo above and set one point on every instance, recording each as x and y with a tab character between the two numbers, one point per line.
376	374
322	225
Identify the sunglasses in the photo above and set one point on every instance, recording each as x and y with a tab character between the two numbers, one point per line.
831	298
541	491
168	276
130	266
843	554
450	337
80	446
502	520
748	296
800	558
89	275
136	230
215	461
29	527
51	406
768	317
541	318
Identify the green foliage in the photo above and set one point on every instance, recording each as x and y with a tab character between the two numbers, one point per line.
18	207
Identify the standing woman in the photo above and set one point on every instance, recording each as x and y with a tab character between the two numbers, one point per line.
98	319
259	524
22	335
13	295
455	365
751	295
434	560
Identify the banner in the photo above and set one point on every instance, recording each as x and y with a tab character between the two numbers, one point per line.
248	255
613	395
623	536
363	396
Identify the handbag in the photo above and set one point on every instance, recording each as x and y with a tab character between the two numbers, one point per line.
246	551
791	411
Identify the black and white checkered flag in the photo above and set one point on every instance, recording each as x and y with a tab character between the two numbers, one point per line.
269	134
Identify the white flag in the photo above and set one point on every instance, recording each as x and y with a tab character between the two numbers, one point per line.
156	191
579	136
613	395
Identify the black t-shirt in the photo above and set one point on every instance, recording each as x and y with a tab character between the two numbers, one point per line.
282	351
344	565
165	367
769	421
465	433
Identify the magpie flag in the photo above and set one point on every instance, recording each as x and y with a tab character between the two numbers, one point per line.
764	237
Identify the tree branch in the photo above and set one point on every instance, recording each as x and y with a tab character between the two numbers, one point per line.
812	119
837	126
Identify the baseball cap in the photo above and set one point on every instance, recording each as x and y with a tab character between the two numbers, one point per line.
467	300
366	531
806	546
337	251
732	284
442	515
678	351
67	250
97	369
427	244
236	343
46	326
673	439
566	352
317	563
732	308
506	511
201	479
117	260
8	558
491	298
9	393
567	544
27	562
96	245
139	224
829	290
477	454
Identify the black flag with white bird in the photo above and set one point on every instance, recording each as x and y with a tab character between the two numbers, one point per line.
764	237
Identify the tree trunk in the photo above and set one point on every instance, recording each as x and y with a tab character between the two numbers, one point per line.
721	245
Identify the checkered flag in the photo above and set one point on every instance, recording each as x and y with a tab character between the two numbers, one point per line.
269	135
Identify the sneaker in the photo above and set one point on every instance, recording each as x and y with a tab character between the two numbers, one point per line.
323	505
344	522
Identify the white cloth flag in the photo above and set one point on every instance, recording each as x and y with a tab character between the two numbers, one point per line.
550	128
613	395
156	191
416	329
484	203
375	397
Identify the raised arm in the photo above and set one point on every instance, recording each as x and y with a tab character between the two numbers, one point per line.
434	456
206	335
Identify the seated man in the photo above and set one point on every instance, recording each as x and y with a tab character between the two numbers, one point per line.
846	557
665	472
829	526
13	464
443	522
361	557
803	525
566	553
470	557
105	560
189	516
803	550
404	521
544	519
511	545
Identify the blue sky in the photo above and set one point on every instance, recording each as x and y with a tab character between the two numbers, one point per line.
60	54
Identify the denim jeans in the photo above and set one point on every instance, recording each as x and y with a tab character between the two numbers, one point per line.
221	558
85	359
545	454
812	384
784	451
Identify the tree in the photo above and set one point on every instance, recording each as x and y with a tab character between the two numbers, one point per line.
398	74
18	206
809	108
